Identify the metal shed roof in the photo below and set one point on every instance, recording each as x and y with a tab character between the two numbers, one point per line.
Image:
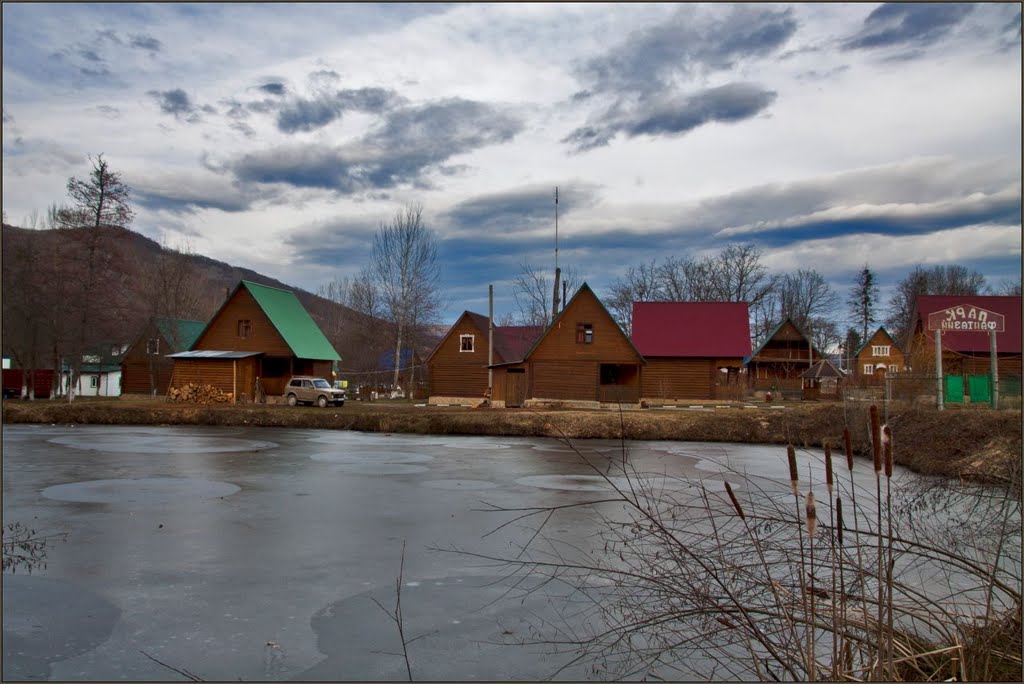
212	354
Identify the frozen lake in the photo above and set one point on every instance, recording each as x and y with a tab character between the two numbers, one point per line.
254	553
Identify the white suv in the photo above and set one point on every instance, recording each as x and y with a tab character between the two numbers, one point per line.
303	389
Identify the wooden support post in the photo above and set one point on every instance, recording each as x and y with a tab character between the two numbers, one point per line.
490	342
938	369
995	369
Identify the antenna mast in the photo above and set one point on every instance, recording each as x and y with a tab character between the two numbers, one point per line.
556	227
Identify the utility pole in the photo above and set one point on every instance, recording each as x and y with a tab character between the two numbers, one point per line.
554	297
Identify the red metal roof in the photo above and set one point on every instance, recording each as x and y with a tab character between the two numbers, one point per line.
959	341
719	329
513	341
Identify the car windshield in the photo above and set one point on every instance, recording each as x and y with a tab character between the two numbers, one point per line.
321	384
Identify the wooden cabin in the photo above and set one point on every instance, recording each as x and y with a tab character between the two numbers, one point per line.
146	367
259	335
966	353
694	350
780	360
458	364
877	356
582	358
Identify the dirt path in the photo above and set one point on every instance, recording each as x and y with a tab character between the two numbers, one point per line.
964	443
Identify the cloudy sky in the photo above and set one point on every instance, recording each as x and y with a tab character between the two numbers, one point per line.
279	137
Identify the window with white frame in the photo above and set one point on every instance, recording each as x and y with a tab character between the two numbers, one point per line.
94	381
869	368
466	343
880	350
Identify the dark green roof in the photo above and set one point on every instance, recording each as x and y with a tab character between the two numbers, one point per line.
293	322
180	333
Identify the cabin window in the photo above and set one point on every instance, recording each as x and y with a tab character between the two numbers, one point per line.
244	327
94	381
869	368
880	350
584	333
153	345
466	343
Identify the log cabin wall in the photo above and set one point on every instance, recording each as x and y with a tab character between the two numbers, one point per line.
894	361
566	363
674	379
137	364
457	373
226	332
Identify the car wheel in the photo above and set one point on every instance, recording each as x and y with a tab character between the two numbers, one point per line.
292	400
321	401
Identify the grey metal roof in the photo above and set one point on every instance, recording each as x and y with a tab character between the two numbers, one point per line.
213	354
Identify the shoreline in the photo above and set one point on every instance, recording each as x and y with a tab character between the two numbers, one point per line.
977	444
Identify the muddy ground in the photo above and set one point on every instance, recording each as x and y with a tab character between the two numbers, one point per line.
974	443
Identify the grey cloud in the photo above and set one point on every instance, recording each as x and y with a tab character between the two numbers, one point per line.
407	145
310	114
187	193
907	25
690	41
144	42
8	119
518	210
108	111
336	241
244	128
673	115
177	103
273	88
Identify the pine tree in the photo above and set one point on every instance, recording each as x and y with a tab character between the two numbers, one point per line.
863	301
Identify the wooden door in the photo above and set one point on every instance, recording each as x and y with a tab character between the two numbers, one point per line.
515	388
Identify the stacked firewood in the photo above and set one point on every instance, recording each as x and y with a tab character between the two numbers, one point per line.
198	394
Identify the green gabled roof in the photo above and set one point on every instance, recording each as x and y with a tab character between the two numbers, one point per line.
293	322
180	333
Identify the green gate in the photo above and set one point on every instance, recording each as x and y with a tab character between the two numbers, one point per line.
980	388
954	389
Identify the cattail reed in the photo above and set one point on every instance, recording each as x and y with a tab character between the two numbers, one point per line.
828	467
794	477
848	448
887	441
839	520
735	501
876	439
812	515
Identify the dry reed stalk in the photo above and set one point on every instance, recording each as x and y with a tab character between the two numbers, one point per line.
794	481
876	453
832	550
848	448
812	527
887	442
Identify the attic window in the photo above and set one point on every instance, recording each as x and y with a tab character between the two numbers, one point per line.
244	327
880	350
584	333
153	345
466	343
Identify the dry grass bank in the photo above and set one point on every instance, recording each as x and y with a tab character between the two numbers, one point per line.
952	443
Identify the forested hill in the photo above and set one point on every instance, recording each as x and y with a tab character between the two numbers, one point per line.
107	282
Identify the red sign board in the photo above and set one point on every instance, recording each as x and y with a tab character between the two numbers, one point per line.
967	318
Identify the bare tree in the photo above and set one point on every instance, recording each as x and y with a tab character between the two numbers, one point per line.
937	280
531	291
740	275
640	284
806	298
863	300
1008	287
99	201
404	263
691	280
102	199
